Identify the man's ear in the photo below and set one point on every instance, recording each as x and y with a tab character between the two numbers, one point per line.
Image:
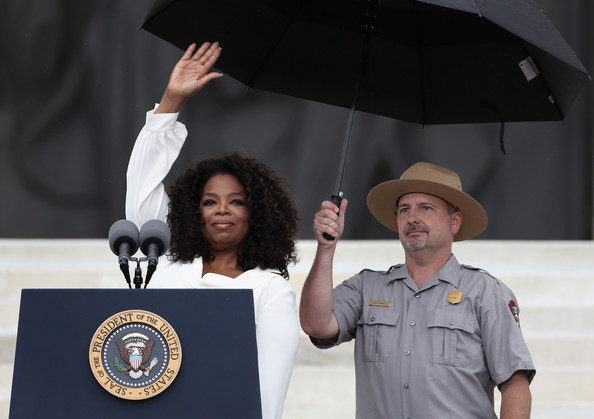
456	222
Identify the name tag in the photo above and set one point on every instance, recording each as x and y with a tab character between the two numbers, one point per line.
380	303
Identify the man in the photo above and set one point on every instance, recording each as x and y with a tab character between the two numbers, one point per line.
432	337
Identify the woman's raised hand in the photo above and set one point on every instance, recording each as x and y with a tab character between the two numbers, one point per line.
190	75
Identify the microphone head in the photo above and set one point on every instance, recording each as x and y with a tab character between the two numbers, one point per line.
123	231
154	232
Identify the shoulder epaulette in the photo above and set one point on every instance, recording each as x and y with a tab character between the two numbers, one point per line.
473	268
390	269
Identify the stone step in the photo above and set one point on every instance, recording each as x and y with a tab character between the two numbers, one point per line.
9	313
5	387
540	322
569	384
545	289
320	392
545	267
554	353
556	410
554	257
550	353
559	322
553	281
328	392
65	278
539	273
503	257
525	257
52	253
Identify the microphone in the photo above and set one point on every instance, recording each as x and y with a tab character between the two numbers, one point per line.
154	241
123	241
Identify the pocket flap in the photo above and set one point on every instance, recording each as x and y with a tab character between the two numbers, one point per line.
379	315
452	319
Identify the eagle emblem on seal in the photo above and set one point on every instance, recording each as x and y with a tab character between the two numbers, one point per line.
135	350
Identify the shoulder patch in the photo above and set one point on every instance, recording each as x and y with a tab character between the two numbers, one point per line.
515	311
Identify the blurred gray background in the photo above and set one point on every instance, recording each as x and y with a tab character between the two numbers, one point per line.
77	78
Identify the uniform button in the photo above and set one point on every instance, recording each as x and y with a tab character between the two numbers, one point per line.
451	322
413	323
417	295
405	386
373	319
407	353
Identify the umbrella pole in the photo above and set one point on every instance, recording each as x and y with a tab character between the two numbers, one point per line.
336	198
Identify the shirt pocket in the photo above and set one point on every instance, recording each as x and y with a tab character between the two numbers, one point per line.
450	337
376	332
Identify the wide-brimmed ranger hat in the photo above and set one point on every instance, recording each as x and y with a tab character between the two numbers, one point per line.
430	179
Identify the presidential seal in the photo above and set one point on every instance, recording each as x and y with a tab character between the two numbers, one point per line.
135	354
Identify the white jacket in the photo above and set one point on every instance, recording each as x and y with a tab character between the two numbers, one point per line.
277	328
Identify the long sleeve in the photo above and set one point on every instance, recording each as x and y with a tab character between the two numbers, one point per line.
277	333
156	149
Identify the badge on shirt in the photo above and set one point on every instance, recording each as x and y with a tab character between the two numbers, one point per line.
515	311
455	297
380	303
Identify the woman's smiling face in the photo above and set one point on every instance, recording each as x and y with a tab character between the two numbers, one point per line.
225	213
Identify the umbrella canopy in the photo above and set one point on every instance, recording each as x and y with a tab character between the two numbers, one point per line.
422	61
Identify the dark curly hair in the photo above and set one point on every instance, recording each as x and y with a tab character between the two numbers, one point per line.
272	218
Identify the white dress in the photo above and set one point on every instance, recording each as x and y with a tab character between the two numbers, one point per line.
277	328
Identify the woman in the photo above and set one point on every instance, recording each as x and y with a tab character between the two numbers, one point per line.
233	224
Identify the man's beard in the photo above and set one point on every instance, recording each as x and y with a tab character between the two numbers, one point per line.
416	244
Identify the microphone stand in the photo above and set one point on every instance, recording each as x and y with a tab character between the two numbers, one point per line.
126	271
150	270
137	281
137	272
137	275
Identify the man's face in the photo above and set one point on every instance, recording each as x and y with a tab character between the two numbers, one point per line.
424	222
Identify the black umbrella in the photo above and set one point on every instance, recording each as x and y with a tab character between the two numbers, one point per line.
423	61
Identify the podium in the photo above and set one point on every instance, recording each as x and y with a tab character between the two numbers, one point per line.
218	373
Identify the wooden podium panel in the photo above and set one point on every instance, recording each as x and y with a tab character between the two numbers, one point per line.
218	375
